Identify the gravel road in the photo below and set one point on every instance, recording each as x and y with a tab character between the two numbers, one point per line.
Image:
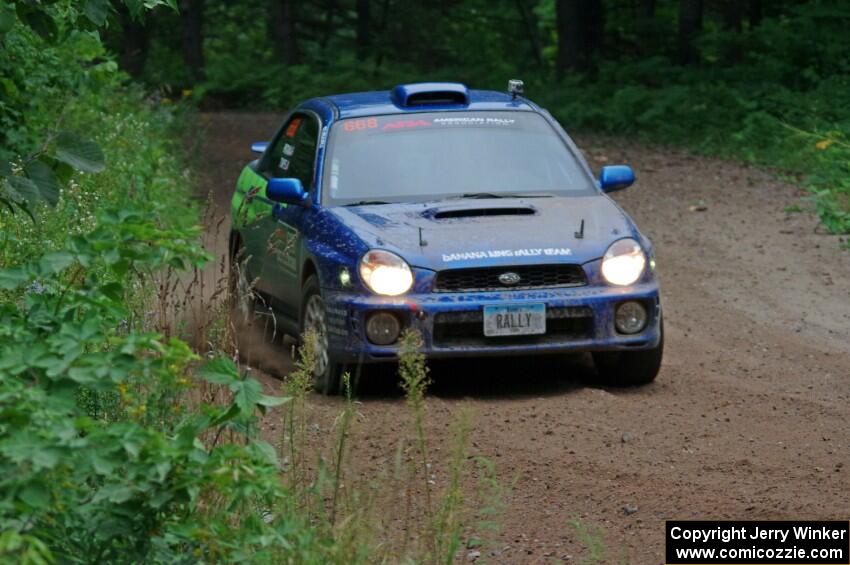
747	420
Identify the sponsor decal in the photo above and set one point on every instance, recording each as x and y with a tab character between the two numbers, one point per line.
324	138
404	124
336	321
283	164
473	121
360	125
281	248
293	126
499	253
288	149
334	177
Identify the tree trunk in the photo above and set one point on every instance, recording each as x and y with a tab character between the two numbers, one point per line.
283	31
646	9
329	20
568	19
755	13
530	24
593	24
580	29
192	20
382	29
733	13
136	40
364	26
647	31
690	24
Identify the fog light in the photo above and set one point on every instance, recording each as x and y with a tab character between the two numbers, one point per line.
382	328
630	318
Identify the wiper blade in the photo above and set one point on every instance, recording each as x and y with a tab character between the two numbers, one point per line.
503	195
365	203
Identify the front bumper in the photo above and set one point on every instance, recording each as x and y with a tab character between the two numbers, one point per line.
579	319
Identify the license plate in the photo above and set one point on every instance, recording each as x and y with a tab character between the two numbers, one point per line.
526	319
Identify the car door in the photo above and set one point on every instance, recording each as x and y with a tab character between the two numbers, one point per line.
291	155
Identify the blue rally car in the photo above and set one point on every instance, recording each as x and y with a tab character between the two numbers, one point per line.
467	215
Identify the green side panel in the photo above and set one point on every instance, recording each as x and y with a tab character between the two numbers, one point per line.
244	208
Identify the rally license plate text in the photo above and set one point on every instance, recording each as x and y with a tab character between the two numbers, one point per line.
526	319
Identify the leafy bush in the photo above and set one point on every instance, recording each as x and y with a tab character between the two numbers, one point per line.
102	459
107	451
57	81
784	104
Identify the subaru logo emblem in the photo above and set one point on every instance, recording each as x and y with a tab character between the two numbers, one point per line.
509	279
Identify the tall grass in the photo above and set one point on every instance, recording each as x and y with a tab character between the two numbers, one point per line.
399	514
596	550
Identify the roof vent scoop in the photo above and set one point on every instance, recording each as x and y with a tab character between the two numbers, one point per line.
430	94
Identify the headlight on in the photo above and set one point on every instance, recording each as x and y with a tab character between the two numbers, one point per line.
624	262
385	273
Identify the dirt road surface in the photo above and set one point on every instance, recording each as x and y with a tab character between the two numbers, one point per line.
747	420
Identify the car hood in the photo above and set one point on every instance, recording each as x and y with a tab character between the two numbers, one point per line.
490	232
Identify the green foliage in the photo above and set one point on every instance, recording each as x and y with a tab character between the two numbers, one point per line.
144	169
783	103
42	172
148	481
597	551
412	369
107	454
404	48
52	55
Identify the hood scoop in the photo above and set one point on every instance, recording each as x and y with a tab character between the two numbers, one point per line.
453	213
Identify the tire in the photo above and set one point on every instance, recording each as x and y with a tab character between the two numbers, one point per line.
629	368
327	372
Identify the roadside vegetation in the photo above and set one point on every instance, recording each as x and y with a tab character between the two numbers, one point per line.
107	451
775	94
120	443
761	82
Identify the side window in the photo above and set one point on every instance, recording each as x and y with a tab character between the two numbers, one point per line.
293	154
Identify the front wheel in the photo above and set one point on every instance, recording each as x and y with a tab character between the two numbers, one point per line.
326	371
630	368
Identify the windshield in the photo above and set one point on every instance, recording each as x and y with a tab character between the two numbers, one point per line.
437	155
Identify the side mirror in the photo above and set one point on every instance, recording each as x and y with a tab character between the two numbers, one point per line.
259	146
616	177
286	191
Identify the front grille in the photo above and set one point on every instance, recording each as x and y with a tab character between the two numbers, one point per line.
453	329
530	276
